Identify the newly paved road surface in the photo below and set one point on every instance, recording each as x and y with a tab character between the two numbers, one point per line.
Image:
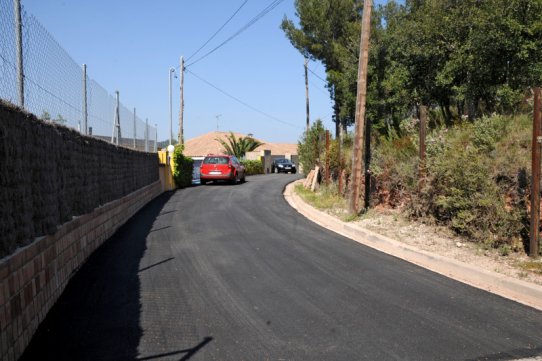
232	273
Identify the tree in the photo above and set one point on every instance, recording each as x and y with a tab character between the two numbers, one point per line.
311	145
329	31
184	167
471	57
478	55
239	147
326	30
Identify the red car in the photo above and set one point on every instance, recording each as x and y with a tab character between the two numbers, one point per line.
221	168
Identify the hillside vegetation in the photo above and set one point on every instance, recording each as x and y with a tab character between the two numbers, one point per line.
474	65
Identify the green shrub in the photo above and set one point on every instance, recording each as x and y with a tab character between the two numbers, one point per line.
252	166
311	146
184	167
469	188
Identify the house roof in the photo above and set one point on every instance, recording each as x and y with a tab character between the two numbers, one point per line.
207	144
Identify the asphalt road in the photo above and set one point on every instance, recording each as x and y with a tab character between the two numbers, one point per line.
224	272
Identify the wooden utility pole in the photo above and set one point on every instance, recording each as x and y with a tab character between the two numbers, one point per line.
535	184
357	156
307	91
181	110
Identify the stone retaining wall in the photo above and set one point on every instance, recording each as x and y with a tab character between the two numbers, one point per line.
62	195
32	279
50	173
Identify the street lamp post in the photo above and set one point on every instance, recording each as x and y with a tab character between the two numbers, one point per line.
217	116
171	71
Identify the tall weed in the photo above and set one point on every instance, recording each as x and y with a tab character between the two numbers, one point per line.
473	180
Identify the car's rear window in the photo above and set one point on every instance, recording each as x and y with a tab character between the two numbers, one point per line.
215	160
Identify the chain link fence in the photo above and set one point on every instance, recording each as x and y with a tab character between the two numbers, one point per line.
56	88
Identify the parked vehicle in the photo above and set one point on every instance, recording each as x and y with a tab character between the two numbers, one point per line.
283	165
221	168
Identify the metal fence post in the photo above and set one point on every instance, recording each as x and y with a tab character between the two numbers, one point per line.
135	128
146	134
85	109
19	41
115	138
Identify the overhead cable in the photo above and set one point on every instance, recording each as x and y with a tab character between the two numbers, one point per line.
318	76
244	103
219	29
260	15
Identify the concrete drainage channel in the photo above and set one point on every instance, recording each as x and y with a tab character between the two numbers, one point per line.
508	287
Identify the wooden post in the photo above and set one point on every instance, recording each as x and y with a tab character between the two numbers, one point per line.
327	158
340	159
535	186
421	165
367	196
357	158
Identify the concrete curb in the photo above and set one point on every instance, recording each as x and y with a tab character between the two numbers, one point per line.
520	291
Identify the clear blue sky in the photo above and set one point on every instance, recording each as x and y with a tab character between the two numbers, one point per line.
130	46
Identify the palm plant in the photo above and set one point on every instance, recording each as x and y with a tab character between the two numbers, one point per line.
239	146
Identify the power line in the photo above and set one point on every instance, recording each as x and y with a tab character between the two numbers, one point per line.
219	29
318	76
260	15
244	103
318	88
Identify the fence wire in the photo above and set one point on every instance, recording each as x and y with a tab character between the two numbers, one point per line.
53	85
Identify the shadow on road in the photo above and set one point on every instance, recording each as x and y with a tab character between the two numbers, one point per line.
156	264
98	315
188	352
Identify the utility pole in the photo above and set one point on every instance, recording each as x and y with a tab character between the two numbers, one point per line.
535	184
134	128
307	91
357	158
85	108
19	40
171	71
181	110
